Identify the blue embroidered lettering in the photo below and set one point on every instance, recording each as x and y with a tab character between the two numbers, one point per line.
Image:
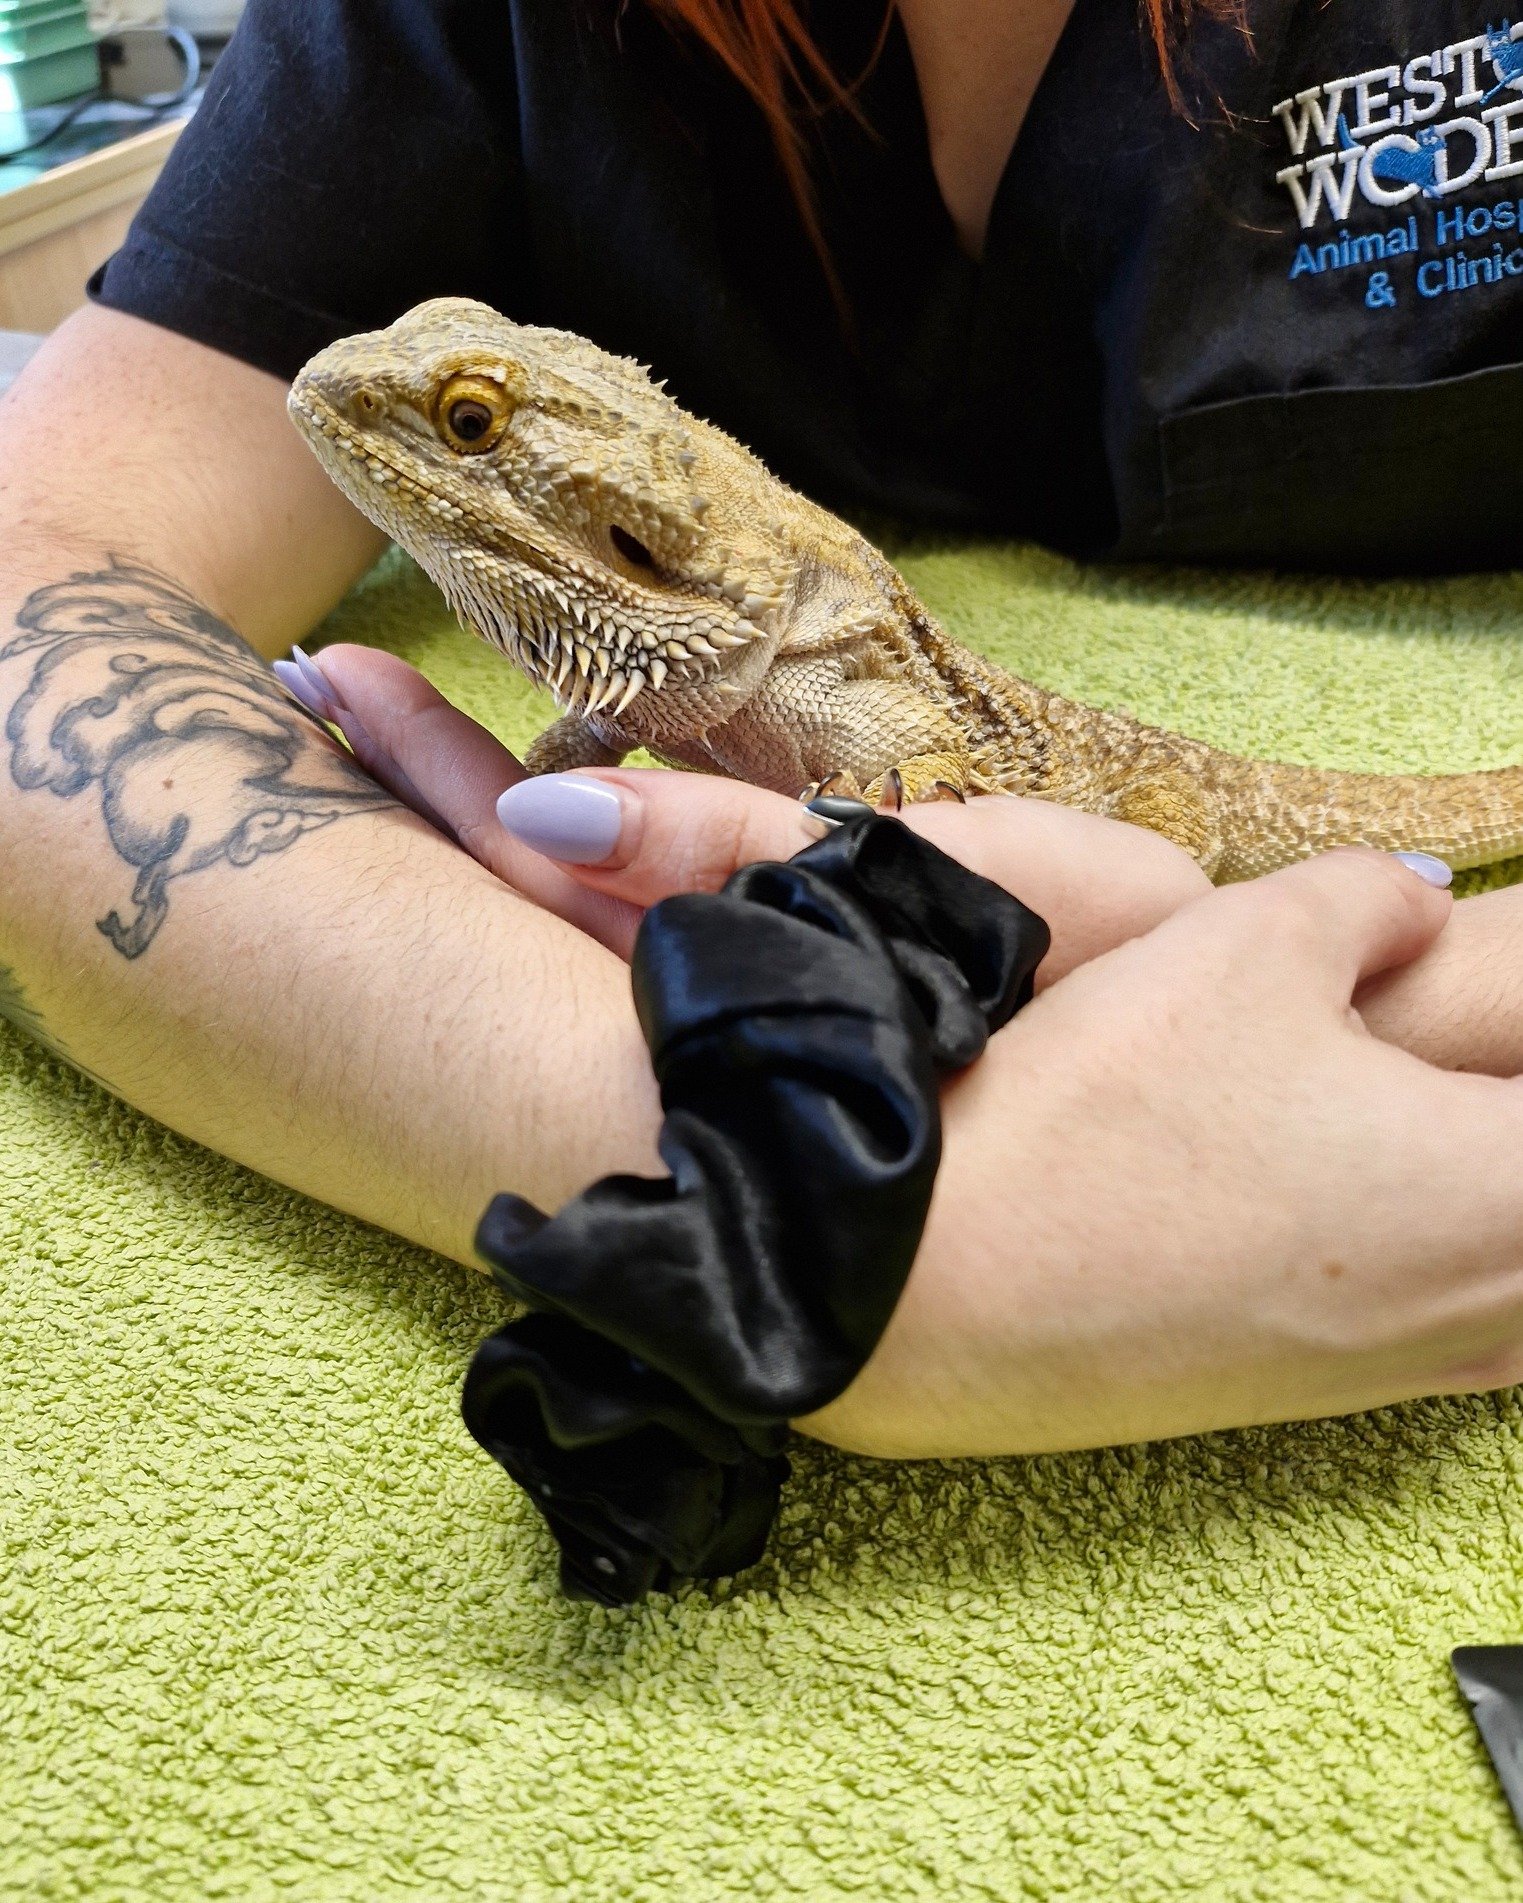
1448	226
1381	137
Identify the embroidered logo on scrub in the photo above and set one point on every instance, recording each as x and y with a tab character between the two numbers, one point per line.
1444	123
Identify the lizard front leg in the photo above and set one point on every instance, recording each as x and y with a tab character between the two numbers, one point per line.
810	722
567	743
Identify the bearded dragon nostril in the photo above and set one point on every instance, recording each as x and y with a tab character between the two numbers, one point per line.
367	404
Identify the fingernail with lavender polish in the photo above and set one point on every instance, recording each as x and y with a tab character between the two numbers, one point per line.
565	817
1426	867
316	700
316	678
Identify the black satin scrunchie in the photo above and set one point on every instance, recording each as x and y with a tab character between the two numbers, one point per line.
796	1022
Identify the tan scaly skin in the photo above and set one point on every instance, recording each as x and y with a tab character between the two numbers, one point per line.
672	594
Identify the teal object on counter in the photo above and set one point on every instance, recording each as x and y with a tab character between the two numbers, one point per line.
47	54
57	30
272	1626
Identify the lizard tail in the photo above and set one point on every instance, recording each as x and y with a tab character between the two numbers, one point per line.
1270	815
1240	817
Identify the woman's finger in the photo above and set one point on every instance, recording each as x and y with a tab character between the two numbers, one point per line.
1097	881
449	769
304	680
644	835
1317	929
407	735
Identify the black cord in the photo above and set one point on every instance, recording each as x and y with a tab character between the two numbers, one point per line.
79	105
146	111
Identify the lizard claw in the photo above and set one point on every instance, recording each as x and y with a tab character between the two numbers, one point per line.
837	785
944	790
891	800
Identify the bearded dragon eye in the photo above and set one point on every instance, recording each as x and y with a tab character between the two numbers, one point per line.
471	413
470	421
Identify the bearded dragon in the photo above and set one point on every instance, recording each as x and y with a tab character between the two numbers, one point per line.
672	594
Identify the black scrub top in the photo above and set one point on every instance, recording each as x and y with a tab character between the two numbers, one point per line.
1278	326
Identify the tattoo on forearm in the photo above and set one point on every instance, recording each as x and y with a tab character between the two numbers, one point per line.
136	691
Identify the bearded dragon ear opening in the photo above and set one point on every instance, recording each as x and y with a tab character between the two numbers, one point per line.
631	549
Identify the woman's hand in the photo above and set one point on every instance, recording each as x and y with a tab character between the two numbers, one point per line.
1186	1189
618	840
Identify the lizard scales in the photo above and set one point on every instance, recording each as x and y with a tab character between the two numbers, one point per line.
672	594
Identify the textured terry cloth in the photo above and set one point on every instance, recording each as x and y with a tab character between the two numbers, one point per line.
271	1626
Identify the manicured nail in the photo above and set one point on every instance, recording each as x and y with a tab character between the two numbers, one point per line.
315	677
315	700
564	816
1426	867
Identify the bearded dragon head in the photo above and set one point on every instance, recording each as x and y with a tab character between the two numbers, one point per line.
567	508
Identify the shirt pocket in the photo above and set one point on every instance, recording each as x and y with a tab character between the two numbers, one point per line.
1380	478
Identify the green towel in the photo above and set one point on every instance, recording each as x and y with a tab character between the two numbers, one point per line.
274	1627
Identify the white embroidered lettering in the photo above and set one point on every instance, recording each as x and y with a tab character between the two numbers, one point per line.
1463	54
1481	134
1368	102
1506	123
1436	91
1313	113
1313	183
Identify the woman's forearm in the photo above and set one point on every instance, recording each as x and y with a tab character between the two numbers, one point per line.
210	908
